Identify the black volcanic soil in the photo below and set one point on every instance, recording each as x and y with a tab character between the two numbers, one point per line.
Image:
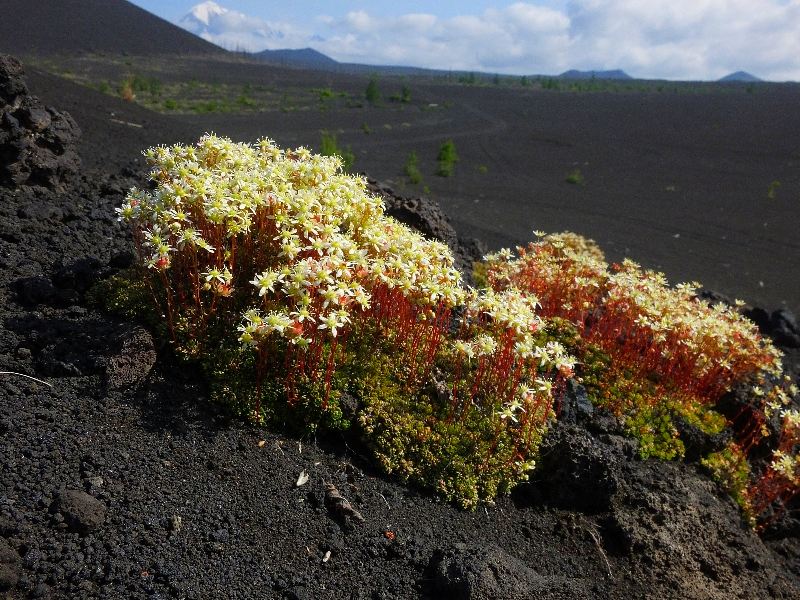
123	481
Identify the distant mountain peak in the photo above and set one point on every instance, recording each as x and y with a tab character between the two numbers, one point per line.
200	16
303	58
229	28
740	76
204	12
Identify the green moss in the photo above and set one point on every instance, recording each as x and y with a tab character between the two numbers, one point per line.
655	431
730	469
127	295
631	397
468	459
480	273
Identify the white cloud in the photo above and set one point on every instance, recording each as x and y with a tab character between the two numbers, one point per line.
520	38
677	39
237	31
687	38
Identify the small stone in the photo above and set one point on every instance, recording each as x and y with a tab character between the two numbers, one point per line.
133	357
220	536
38	119
9	566
175	523
82	512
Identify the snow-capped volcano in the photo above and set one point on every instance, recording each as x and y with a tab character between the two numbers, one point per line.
231	29
200	16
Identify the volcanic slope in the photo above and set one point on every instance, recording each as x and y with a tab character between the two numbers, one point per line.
99	26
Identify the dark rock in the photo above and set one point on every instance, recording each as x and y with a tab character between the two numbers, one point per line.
82	513
671	515
483	572
37	119
785	319
122	260
12	83
79	275
10	564
760	317
781	325
578	471
131	361
697	443
712	297
426	216
349	405
37	143
35	290
423	215
221	536
10	122
339	506
575	405
784	327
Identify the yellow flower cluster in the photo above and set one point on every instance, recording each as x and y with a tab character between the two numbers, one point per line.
662	326
719	341
312	244
689	351
786	460
565	271
499	330
787	466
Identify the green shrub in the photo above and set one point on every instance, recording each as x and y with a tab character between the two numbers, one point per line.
411	169
372	93
773	188
729	467
468	79
324	94
245	101
140	83
446	159
575	177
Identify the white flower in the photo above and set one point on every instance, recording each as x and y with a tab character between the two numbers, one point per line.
265	281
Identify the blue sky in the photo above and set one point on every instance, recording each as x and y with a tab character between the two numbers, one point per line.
672	39
299	11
